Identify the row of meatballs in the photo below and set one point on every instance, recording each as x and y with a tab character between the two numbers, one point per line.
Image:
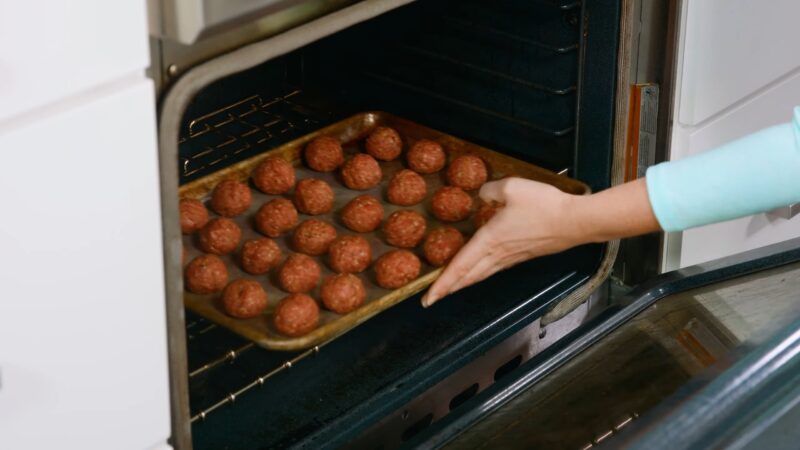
298	313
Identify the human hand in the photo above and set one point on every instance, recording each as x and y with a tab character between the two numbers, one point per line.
536	220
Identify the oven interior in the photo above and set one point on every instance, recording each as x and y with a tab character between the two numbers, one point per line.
530	78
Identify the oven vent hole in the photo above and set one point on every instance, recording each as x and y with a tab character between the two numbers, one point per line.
465	395
506	368
418	426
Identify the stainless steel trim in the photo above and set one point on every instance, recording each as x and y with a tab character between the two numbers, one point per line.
786	212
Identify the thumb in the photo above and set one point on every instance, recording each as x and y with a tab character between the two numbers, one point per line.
494	191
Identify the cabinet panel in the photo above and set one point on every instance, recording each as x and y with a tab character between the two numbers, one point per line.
83	346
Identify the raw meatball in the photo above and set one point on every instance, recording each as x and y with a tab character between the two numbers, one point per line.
220	236
193	215
296	315
426	156
384	143
274	176
300	273
361	172
342	293
324	154
404	228
312	196
485	212
313	237
260	256
363	214
397	268
467	172
442	244
276	217
231	198
406	188
451	204
350	254
244	299
206	274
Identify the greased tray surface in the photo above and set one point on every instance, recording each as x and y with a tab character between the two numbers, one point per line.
351	133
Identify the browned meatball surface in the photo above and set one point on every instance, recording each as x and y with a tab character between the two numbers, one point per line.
485	212
324	154
313	237
194	215
404	228
260	256
313	196
206	274
220	236
442	244
397	268
274	176
276	217
300	273
362	214
406	188
350	254
231	198
426	156
451	204
384	143
361	172
296	315
244	299
342	293
467	172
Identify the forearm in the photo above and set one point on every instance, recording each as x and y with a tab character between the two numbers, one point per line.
618	212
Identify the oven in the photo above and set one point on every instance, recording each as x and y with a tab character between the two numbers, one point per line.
545	81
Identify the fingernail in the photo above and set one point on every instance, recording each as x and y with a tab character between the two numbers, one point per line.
428	300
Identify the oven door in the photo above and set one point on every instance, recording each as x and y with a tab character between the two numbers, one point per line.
702	357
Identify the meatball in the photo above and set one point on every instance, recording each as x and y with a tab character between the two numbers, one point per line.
324	154
274	176
384	143
296	315
342	293
313	237
244	299
451	204
467	172
442	244
363	214
300	273
404	228
276	217
349	254
426	156
361	172
260	256
193	215
231	198
206	274
313	196
220	236
406	188
485	212
397	268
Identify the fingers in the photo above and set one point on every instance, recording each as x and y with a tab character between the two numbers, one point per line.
485	268
476	249
494	191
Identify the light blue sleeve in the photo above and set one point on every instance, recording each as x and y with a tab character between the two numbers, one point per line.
756	173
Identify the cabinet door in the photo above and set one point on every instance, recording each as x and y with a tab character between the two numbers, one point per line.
83	346
739	72
53	49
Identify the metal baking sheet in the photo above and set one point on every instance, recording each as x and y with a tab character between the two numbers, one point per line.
351	133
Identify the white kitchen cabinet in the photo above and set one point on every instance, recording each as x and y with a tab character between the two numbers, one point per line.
83	354
53	49
739	71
